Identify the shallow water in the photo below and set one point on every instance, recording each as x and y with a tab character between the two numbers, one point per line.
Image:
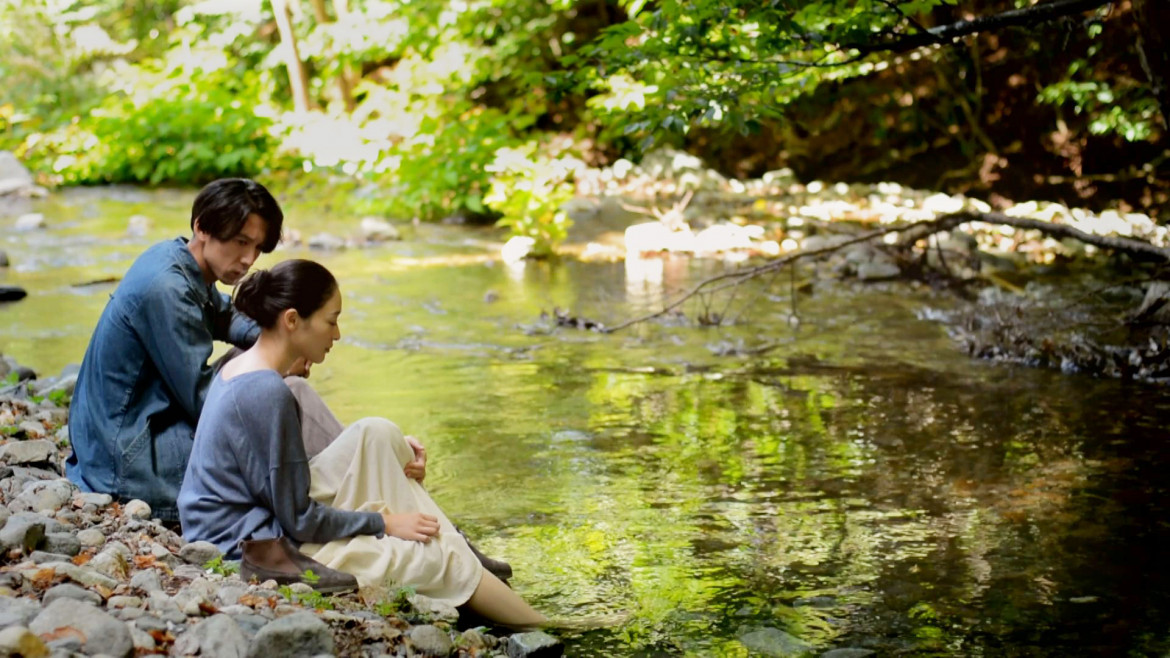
861	484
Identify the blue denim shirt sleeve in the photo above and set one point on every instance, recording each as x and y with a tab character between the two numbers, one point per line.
230	325
176	338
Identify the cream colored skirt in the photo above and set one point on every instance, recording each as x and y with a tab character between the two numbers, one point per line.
362	471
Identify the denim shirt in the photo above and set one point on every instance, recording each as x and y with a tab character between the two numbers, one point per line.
145	376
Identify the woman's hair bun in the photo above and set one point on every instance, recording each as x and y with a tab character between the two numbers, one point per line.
302	285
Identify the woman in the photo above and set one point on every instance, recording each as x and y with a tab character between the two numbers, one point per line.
352	507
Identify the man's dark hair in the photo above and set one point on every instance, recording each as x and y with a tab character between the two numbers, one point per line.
223	206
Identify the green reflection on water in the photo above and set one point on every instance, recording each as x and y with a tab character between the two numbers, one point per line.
861	485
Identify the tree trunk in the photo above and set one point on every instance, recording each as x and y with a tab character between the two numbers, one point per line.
344	89
298	78
1152	17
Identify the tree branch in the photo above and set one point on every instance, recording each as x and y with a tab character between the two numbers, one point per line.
1012	18
912	233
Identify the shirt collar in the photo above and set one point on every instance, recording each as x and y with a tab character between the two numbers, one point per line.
190	269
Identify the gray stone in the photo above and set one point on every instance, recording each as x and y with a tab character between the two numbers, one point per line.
124	602
101	633
28	452
250	622
81	575
14	178
21	533
150	623
65	543
434	609
143	641
41	557
877	271
20	641
91	537
199	553
218	635
16	611
299	635
430	641
848	652
165	607
163	555
111	563
776	643
136	509
378	230
98	500
71	591
230	593
51	525
30	222
326	242
473	639
33	429
536	644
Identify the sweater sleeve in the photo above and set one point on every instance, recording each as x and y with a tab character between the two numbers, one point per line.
302	518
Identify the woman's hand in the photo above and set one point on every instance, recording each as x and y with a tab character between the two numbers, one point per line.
417	468
413	526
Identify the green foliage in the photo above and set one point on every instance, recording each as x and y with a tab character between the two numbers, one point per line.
443	168
398	603
1130	113
192	126
312	599
529	189
218	565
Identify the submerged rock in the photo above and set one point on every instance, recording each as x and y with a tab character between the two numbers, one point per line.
536	644
776	643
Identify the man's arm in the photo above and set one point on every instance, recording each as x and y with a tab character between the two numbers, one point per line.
231	326
171	326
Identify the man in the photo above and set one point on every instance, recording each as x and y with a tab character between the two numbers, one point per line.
145	374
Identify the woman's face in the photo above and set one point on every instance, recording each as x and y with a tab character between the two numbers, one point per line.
316	334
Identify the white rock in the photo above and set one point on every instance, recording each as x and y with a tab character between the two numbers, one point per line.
30	222
137	509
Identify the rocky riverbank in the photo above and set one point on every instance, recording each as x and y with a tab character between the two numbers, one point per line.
83	574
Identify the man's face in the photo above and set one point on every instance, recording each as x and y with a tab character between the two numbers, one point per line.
229	260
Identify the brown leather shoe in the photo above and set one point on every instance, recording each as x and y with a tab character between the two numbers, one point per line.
278	559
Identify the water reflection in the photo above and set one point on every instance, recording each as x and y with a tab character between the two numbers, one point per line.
863	485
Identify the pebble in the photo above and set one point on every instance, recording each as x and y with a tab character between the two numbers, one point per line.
147	581
91	537
430	641
136	509
20	641
199	553
299	635
28	452
70	591
218	635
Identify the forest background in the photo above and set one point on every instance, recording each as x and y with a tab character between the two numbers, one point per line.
486	109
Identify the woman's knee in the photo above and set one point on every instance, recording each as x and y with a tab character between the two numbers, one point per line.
385	432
